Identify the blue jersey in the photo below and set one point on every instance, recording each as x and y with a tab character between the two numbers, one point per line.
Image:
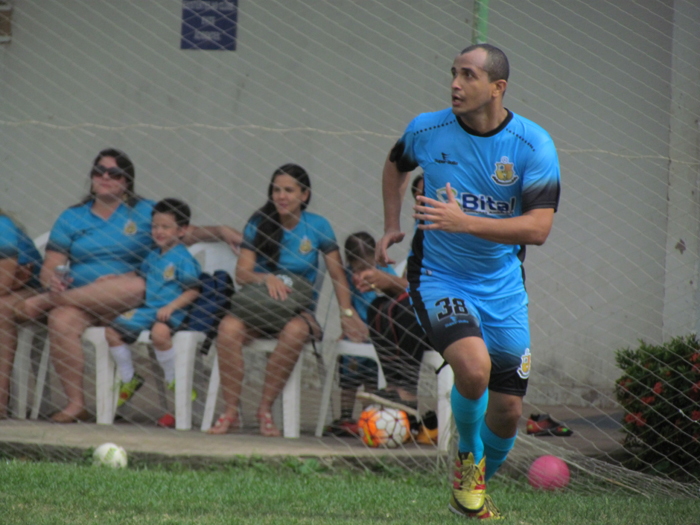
360	300
15	243
299	248
96	246
168	276
500	174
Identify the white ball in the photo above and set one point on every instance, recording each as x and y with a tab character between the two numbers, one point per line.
110	455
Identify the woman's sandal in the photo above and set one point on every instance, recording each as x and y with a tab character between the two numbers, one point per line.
224	425
267	426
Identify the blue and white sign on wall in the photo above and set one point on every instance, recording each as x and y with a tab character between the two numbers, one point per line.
209	24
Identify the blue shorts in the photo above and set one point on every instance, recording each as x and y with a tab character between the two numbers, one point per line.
130	324
449	311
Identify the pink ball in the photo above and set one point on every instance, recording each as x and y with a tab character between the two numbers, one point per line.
548	473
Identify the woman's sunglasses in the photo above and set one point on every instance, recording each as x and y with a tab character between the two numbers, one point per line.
112	173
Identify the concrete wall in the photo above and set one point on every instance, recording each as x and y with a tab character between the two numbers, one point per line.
331	85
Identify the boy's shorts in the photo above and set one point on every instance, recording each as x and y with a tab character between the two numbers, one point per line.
130	324
450	311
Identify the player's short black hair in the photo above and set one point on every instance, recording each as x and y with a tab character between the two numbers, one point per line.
496	64
176	208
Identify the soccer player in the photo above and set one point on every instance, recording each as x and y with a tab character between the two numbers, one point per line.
491	187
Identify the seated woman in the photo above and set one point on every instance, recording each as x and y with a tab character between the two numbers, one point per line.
20	264
104	238
281	239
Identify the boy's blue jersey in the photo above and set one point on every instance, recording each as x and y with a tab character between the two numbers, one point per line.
97	247
501	174
299	247
15	243
168	276
360	300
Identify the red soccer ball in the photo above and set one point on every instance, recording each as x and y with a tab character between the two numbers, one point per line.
549	473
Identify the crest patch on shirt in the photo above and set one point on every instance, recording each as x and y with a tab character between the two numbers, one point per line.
505	173
169	272
525	364
130	227
128	315
305	245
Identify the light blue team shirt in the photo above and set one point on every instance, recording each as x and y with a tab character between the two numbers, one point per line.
500	174
168	276
15	243
360	300
96	246
299	248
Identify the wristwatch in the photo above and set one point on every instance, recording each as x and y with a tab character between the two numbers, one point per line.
346	312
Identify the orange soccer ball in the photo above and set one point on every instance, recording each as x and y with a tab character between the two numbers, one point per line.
384	426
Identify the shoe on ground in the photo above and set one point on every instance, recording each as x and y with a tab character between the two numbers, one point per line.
128	389
469	489
426	436
171	386
342	428
487	512
544	425
167	421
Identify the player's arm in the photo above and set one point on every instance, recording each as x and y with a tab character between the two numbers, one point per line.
393	188
226	234
532	227
353	327
182	300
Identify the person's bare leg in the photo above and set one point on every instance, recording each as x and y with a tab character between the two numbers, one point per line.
66	327
106	298
280	364
161	337
232	335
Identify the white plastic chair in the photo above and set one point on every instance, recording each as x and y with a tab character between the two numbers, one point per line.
291	393
445	380
27	334
212	256
344	348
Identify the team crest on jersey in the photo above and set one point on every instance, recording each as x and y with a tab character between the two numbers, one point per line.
169	272
305	245
128	315
130	227
525	364
505	174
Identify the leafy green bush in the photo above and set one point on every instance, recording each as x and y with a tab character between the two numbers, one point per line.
660	392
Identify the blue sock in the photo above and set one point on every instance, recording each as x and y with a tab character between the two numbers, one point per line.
496	449
469	414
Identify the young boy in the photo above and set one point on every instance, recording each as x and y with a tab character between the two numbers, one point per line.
172	283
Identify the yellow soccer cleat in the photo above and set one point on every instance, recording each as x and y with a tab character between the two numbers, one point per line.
469	497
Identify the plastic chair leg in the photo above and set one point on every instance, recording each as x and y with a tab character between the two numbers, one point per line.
105	376
291	402
326	394
445	381
41	377
21	366
212	393
185	344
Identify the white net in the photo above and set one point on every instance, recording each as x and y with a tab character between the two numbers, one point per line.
331	86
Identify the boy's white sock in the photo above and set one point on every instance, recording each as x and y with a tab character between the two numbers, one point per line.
122	357
166	360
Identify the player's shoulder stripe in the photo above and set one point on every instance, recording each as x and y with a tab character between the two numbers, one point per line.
530	133
427	122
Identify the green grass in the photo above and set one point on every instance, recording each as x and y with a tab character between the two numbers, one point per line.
291	493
